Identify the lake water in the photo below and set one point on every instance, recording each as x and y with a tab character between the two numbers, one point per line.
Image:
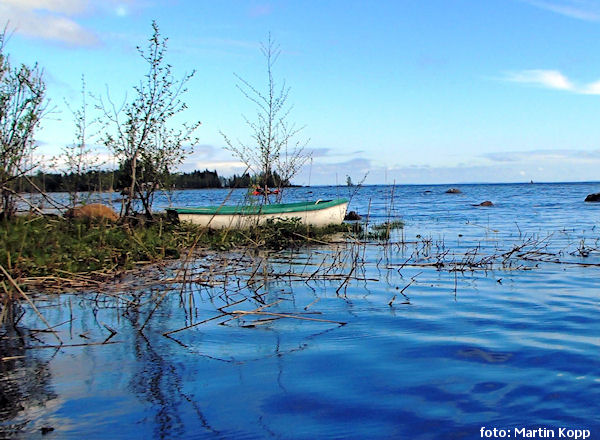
469	317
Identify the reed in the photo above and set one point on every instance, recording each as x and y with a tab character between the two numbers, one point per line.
383	231
78	250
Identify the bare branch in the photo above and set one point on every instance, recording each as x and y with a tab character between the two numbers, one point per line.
270	158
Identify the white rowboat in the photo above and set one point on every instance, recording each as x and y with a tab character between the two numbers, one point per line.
319	213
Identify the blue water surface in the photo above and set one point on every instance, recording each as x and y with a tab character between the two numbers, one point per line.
425	352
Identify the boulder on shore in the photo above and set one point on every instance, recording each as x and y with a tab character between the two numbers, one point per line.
595	197
93	210
453	191
352	215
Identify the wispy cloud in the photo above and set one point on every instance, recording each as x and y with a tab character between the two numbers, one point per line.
588	10
329	152
329	173
552	79
211	157
57	20
318	152
512	166
592	88
203	151
260	10
538	156
568	165
546	78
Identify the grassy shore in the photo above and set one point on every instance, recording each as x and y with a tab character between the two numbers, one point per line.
49	246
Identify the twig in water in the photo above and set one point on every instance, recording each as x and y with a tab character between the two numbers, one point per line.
18	289
412	280
106	342
286	315
11	358
196	324
345	280
314	302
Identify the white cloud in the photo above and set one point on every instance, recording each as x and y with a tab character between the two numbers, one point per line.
56	20
592	88
588	10
48	20
211	157
57	163
545	78
224	168
69	7
552	79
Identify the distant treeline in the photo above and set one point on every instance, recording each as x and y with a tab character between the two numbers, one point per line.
56	182
116	180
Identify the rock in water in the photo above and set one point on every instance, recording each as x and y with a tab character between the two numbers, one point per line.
46	429
93	210
352	215
453	191
593	197
486	203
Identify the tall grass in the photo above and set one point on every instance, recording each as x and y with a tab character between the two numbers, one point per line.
41	246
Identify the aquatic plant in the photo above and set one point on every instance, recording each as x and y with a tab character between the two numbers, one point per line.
41	246
382	231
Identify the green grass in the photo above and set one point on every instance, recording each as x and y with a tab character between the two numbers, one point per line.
382	231
388	226
42	246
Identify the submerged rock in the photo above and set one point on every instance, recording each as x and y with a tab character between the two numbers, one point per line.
93	210
352	215
486	203
595	197
453	191
46	429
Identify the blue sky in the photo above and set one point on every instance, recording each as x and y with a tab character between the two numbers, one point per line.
407	91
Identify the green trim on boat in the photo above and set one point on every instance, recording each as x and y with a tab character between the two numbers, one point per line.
262	209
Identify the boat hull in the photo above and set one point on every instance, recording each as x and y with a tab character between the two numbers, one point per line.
331	212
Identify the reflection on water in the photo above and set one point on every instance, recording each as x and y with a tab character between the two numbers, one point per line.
483	317
157	381
25	379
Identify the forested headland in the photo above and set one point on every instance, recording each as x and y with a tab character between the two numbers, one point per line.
117	180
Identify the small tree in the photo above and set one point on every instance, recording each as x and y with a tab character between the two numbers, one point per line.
22	105
140	130
79	158
274	148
